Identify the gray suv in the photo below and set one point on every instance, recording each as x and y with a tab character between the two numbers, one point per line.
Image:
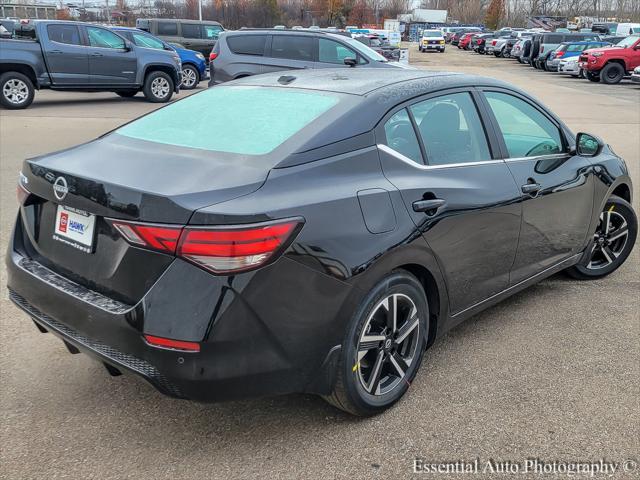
251	52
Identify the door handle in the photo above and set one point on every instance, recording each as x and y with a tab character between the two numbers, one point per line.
57	52
428	206
531	188
96	54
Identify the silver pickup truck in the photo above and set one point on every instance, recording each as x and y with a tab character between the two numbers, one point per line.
76	56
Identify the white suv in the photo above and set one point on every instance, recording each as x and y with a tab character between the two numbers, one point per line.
431	40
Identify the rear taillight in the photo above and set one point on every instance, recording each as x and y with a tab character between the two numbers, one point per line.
222	250
213	56
559	54
493	42
171	344
216	249
21	191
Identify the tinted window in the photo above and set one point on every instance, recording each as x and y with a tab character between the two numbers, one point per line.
552	39
247	44
575	48
68	34
147	41
402	137
451	130
191	30
246	120
292	47
99	37
211	32
526	131
167	28
333	52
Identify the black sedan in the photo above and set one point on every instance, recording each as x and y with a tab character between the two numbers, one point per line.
309	231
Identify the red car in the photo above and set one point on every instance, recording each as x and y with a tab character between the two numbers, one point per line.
611	64
465	40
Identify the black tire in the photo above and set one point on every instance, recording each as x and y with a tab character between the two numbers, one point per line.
16	91
612	73
190	74
350	392
127	93
592	77
158	87
604	257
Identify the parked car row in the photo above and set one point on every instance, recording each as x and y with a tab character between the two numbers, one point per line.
77	56
599	58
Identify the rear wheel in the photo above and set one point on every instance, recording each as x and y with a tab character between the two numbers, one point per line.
190	77
158	87
612	73
592	76
16	90
612	242
383	346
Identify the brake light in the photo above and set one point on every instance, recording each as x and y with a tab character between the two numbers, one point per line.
559	54
216	249
163	238
233	249
493	42
213	56
172	344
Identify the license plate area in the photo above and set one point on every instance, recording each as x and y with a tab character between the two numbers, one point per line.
75	228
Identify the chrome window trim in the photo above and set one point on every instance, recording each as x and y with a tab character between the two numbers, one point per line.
538	157
399	156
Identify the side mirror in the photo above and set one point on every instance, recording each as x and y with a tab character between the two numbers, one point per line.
588	145
350	62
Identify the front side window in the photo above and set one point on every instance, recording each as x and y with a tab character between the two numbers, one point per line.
292	47
246	120
167	28
247	44
68	34
99	37
451	130
333	52
191	30
211	32
147	41
526	131
402	137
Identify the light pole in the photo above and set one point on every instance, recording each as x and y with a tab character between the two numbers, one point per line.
200	10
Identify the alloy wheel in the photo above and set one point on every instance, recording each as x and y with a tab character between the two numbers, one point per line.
160	87
609	240
15	91
387	344
188	77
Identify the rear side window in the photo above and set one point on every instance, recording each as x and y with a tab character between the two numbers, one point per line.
575	48
233	119
525	130
451	130
191	30
99	37
292	47
167	28
68	34
147	41
552	39
402	137
247	44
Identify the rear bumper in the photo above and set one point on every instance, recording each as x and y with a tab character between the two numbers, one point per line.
266	332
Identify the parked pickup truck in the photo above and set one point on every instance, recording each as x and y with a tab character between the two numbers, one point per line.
83	57
610	65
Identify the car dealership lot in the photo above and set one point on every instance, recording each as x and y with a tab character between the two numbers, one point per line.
551	373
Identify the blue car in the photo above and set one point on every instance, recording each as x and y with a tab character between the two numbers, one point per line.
571	49
194	65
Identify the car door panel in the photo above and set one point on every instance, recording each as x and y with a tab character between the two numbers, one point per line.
109	65
66	55
556	189
467	212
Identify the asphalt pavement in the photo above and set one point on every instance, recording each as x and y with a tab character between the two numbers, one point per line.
552	373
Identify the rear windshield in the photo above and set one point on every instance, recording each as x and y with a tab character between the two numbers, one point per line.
244	120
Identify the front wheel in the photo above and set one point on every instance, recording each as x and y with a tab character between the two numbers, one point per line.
383	347
158	87
16	90
612	73
612	242
190	77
